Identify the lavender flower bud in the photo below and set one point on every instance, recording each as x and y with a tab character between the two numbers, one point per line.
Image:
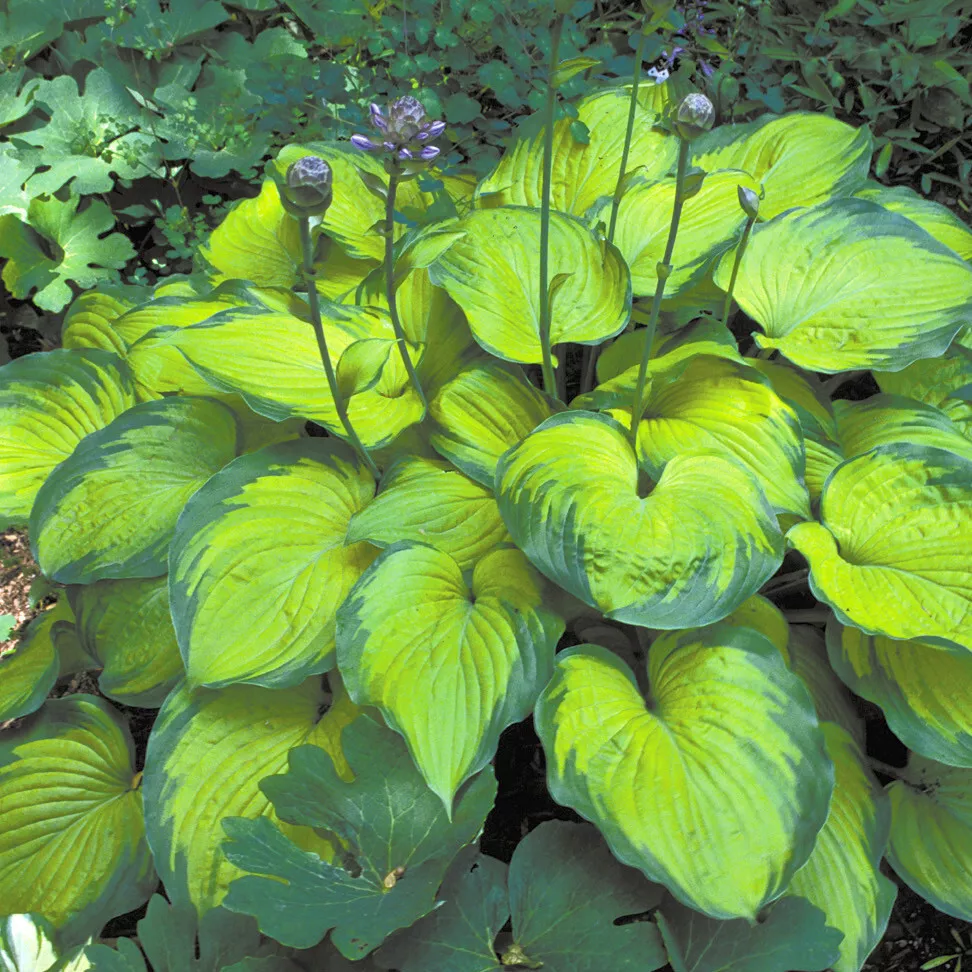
307	190
694	116
365	144
405	134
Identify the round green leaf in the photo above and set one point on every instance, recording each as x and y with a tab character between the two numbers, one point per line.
259	564
582	173
717	788
258	240
72	838
687	552
710	220
923	691
50	402
493	274
843	876
126	626
450	663
480	413
873	289
110	509
891	554
931	834
206	757
428	501
799	159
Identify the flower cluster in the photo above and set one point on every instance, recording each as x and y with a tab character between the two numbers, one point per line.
403	130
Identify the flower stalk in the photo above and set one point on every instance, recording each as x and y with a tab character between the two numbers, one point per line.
749	202
549	380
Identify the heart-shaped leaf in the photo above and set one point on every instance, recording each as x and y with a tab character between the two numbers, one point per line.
493	274
72	837
697	788
449	663
891	554
50	403
270	529
206	756
687	553
873	289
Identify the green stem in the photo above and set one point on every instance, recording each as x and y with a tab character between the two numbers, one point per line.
785	581
390	289
315	309
664	269
591	352
810	616
740	250
549	380
879	766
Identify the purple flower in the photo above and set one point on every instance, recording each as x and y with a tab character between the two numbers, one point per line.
404	130
707	69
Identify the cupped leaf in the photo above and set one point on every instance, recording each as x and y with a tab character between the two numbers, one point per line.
449	663
931	216
937	382
716	788
493	274
874	290
480	413
843	876
890	554
110	509
206	756
710	220
583	172
259	564
126	626
72	837
696	546
29	669
931	834
89	321
923	691
258	240
792	937
428	501
50	402
400	844
799	159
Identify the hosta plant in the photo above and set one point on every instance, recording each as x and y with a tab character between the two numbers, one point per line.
350	501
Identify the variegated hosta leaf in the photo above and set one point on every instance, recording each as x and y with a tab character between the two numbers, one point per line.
800	159
891	554
72	837
843	876
259	564
89	321
725	407
258	240
687	552
709	222
272	359
350	219
110	509
29	669
716	788
582	173
450	663
937	382
484	410
931	834
493	274
126	626
924	692
931	216
50	402
849	284
206	757
428	501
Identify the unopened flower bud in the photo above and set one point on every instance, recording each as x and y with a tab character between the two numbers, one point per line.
694	116
307	189
749	201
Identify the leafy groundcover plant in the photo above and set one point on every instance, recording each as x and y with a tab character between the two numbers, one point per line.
336	628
